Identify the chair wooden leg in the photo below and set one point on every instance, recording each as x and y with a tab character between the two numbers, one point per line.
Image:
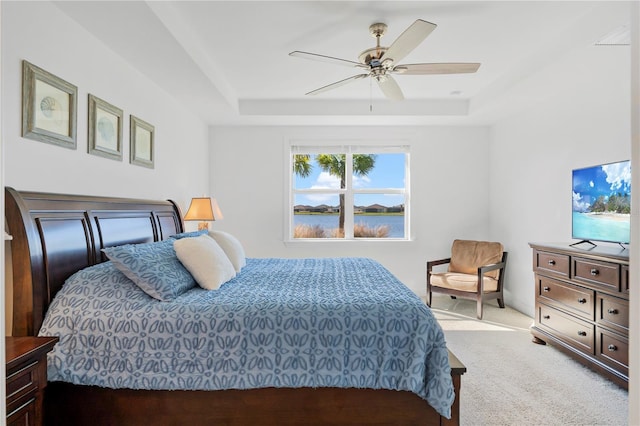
453	297
429	297
501	299
479	308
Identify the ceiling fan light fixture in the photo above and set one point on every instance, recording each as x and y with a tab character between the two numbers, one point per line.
373	54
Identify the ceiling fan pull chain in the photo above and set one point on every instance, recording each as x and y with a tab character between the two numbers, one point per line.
370	94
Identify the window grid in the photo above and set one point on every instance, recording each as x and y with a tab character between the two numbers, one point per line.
349	191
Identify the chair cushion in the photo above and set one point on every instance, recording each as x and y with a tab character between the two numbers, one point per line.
462	282
467	256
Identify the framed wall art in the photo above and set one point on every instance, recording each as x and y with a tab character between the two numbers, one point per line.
142	142
49	107
105	129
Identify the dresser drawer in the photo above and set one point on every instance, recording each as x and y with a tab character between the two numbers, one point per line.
22	382
613	350
578	333
554	263
566	296
625	279
24	415
613	313
604	275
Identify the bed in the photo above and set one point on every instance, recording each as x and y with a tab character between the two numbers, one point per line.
56	236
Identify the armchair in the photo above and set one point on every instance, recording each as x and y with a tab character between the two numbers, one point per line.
476	271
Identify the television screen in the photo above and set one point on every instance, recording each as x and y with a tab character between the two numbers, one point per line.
602	203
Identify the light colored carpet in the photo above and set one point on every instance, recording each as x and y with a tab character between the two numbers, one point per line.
512	381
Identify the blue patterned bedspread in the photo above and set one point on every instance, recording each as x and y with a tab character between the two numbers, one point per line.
338	322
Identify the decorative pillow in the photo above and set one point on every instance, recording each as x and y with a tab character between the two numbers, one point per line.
231	247
154	267
189	234
206	261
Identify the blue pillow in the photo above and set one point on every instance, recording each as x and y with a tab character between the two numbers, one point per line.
191	234
154	267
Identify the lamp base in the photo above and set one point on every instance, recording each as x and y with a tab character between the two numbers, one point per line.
203	226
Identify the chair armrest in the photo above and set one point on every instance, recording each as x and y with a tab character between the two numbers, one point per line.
486	268
432	263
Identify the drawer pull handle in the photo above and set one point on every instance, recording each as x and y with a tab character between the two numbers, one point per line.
583	300
613	311
551	262
594	272
546	289
546	316
582	333
612	348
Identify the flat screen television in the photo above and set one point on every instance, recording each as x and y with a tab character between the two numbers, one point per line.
602	203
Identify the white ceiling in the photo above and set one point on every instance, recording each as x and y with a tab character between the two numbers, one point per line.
229	62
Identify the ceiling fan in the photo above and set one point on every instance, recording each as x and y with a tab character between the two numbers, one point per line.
380	62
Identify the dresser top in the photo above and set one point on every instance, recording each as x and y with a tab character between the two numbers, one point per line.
606	252
24	349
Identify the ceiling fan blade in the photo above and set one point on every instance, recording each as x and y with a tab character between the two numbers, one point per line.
390	88
324	58
337	84
443	68
408	40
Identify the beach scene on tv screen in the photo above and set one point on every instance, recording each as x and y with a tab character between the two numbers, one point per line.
602	202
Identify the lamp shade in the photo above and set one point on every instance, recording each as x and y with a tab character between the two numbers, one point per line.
203	208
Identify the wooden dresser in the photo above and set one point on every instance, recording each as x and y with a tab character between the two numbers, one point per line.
582	305
26	364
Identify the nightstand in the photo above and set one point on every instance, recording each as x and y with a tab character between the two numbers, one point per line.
26	362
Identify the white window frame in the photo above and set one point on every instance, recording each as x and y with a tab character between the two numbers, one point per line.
348	148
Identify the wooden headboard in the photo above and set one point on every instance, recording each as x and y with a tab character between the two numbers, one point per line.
55	235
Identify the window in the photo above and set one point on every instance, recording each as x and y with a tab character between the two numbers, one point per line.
349	192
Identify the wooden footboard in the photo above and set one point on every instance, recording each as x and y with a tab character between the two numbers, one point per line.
67	404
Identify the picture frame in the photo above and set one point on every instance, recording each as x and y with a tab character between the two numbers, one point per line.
105	129
49	107
141	140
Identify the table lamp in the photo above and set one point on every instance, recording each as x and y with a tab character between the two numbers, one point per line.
204	209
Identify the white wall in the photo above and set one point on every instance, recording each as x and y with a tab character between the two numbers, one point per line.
533	154
449	190
40	33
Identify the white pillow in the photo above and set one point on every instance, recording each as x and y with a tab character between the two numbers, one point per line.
231	247
205	260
